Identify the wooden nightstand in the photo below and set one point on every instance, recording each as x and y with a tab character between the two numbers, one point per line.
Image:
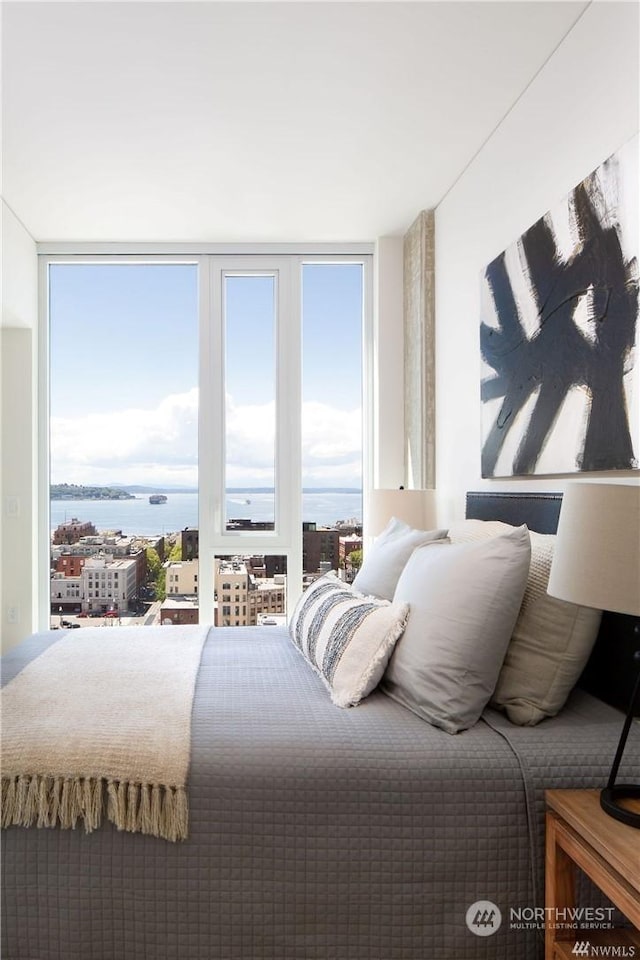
580	834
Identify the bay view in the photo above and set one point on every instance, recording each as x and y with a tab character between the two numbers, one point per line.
139	517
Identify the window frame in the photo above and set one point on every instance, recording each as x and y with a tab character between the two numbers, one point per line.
214	540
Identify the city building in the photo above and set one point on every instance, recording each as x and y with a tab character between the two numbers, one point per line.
70	559
109	583
232	591
319	545
179	610
189	541
69	564
66	594
73	530
104	583
267	598
349	545
242	523
274	565
244	593
256	565
346	527
182	577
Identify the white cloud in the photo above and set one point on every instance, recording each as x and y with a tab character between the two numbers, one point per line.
250	444
331	446
159	445
129	446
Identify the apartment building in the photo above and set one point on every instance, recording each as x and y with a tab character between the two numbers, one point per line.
232	591
101	583
109	583
182	577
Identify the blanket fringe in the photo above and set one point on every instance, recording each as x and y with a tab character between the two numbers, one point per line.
64	801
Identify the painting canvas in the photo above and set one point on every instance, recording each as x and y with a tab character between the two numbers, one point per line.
559	335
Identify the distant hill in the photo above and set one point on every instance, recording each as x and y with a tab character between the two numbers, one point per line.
168	488
74	491
156	488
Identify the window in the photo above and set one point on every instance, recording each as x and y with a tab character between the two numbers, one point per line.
268	374
125	417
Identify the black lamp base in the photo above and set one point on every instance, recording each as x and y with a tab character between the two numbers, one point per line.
609	801
614	792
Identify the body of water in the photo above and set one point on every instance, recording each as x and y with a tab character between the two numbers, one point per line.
181	510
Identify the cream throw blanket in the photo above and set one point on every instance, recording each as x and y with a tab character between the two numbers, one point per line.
101	722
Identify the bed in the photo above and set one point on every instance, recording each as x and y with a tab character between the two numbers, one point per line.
316	832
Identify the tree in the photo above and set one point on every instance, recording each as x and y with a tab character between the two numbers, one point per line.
176	553
153	563
160	585
355	559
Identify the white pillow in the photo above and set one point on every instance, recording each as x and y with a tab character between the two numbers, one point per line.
385	559
464	601
347	638
551	641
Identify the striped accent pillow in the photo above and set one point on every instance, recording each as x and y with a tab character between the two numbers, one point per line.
346	637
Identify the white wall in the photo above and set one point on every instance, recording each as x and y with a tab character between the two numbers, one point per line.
19	273
580	109
18	435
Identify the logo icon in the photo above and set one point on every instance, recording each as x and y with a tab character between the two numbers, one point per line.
581	948
483	918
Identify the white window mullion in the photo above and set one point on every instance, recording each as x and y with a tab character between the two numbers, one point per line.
289	426
42	548
370	363
216	372
209	436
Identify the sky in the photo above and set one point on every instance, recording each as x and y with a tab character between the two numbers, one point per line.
124	375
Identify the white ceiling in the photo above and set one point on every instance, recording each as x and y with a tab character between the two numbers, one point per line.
260	121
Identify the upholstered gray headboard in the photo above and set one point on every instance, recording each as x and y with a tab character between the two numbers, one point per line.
540	511
610	672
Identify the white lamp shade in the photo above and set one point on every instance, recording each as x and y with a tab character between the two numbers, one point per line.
596	559
415	507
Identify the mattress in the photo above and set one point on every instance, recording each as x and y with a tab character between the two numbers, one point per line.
316	833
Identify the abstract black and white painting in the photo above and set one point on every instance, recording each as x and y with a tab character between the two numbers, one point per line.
560	381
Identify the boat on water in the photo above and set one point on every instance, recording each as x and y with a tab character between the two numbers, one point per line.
157	498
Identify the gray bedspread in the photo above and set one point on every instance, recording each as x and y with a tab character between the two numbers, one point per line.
316	833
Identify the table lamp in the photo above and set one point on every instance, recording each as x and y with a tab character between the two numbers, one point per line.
415	507
596	563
